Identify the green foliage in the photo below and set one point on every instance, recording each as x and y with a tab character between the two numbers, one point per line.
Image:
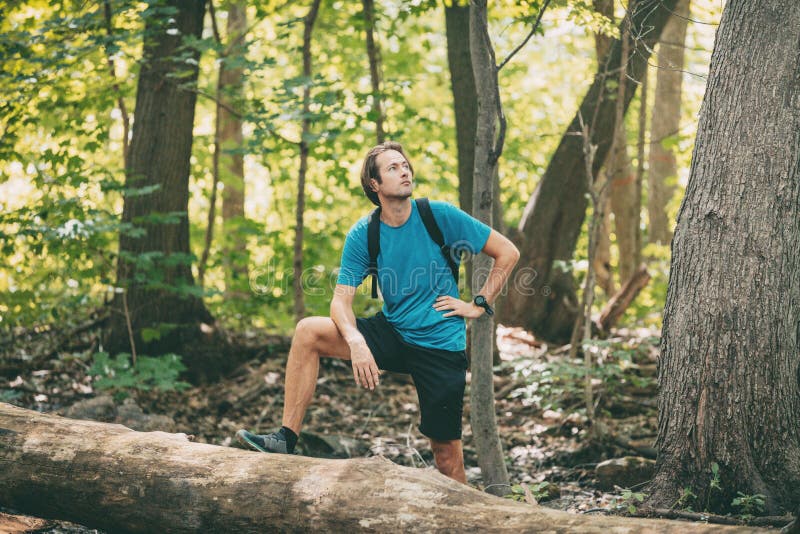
519	492
557	383
62	176
9	395
627	500
749	505
715	483
119	374
686	498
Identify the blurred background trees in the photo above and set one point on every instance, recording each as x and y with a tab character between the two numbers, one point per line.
71	150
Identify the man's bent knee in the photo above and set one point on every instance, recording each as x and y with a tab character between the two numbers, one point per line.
307	332
319	335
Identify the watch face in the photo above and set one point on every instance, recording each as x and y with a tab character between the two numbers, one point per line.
480	300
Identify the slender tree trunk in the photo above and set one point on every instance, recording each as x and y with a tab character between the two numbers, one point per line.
622	193
112	69
484	424
212	199
154	266
236	256
641	145
665	124
624	205
602	257
465	99
546	303
374	55
299	296
730	351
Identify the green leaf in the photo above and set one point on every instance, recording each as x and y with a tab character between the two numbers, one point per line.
150	334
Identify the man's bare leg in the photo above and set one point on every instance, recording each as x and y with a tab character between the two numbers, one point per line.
314	337
449	458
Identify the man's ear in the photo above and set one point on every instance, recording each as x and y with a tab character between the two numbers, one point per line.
372	184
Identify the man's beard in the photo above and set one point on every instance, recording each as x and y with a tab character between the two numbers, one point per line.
401	196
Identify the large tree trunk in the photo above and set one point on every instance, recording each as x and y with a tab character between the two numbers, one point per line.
154	267
544	299
482	338
665	124
109	477
236	256
730	352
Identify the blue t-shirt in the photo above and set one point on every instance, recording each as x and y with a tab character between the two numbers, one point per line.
412	272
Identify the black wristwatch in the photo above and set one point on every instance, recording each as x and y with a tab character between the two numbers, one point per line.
480	300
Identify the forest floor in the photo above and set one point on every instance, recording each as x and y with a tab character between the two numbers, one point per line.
539	405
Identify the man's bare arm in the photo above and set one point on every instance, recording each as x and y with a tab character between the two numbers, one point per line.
365	370
505	255
342	313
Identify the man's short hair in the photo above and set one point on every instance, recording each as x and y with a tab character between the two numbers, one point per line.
369	169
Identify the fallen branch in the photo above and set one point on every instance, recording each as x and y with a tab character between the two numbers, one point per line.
664	513
109	477
619	303
642	449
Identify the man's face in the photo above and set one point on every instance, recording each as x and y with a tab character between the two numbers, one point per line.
396	177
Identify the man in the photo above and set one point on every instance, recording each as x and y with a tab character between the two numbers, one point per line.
421	329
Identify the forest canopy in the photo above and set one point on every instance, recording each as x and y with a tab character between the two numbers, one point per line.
69	85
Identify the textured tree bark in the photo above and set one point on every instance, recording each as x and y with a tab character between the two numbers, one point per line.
231	156
305	125
730	352
374	55
482	417
544	300
665	123
109	477
154	265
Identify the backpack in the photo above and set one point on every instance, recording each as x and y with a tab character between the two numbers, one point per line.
435	233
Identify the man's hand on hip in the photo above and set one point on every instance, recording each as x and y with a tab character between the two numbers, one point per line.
365	370
457	307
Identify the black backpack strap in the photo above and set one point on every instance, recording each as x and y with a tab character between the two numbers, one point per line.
374	247
424	207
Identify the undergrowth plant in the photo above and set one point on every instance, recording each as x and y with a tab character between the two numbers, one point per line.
749	505
119	374
558	383
627	501
519	492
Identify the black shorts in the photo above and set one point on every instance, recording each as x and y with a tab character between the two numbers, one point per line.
439	375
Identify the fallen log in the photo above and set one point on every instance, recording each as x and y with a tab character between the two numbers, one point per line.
110	477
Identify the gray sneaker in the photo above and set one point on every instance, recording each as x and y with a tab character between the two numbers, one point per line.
274	442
